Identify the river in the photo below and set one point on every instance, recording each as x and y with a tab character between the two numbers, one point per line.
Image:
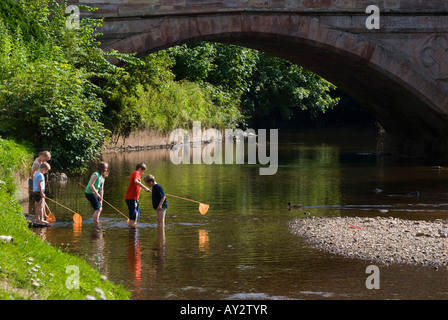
243	247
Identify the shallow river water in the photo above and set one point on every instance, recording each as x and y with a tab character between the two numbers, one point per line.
243	247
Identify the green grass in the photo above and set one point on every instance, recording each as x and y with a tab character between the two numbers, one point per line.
30	268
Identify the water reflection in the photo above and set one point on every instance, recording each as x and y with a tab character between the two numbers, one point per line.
243	248
97	256
203	243
77	231
134	259
144	269
159	252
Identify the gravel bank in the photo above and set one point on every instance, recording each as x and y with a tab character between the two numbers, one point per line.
384	240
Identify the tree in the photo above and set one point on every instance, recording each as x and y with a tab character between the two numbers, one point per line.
263	86
279	88
225	70
48	92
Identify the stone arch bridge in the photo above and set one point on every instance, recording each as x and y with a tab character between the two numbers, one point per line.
398	73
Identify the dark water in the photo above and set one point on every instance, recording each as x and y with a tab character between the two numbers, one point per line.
243	247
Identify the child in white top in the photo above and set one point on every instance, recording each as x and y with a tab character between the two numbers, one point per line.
39	192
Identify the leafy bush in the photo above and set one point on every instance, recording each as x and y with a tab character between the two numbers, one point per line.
47	93
148	97
263	85
177	105
46	103
279	88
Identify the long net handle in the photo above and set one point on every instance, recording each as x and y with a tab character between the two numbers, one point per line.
107	203
51	200
182	198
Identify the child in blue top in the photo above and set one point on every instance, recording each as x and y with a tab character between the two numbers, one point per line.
95	189
39	195
159	202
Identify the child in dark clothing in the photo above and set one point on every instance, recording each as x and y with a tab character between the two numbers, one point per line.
159	202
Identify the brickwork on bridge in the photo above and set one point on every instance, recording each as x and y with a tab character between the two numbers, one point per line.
398	72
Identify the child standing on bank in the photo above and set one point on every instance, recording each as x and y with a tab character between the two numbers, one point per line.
95	189
39	189
43	156
133	193
159	202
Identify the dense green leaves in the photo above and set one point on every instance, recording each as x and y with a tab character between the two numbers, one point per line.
149	97
224	70
280	89
15	18
262	85
47	94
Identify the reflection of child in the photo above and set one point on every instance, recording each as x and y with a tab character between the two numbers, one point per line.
95	189
159	202
39	189
133	193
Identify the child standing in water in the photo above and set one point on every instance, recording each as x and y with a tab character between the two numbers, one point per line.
133	193
159	202
95	189
39	189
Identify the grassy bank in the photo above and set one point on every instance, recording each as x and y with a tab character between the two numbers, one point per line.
31	268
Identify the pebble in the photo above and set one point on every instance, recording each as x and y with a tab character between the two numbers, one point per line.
380	239
6	239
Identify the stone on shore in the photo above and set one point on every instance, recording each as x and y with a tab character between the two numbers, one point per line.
383	240
32	223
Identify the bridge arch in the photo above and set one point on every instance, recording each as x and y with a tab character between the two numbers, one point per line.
398	92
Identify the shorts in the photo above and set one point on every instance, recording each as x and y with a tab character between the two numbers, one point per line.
134	209
94	201
37	197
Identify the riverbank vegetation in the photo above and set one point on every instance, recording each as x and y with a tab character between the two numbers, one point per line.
47	94
148	96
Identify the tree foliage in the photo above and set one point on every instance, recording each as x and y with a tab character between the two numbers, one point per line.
224	69
262	85
149	97
280	88
47	89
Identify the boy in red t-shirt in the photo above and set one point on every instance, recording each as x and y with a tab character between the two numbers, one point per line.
133	193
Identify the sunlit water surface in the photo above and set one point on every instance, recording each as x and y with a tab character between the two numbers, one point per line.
243	247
